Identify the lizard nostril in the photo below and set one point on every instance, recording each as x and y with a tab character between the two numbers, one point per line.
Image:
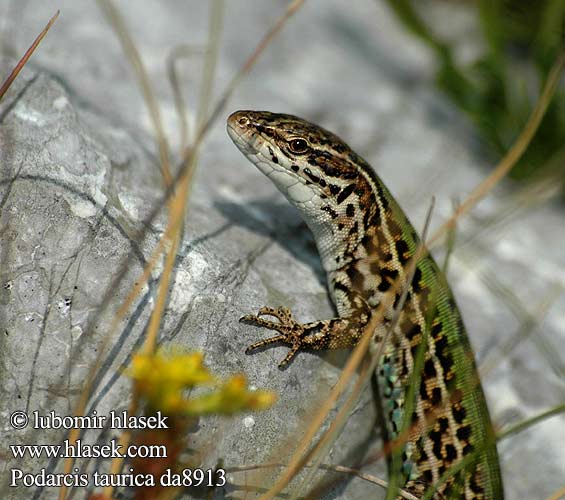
243	121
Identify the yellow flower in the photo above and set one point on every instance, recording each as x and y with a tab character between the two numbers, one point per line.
232	396
161	379
180	369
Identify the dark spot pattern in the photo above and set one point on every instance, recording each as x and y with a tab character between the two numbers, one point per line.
349	174
429	368
475	486
355	277
437	329
443	424
459	413
341	286
330	210
446	362
436	396
354	229
381	196
416	286
383	286
464	432
345	193
389	274
436	439
367	218
423	389
313	177
402	251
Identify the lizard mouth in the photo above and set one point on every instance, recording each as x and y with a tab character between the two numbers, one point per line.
244	139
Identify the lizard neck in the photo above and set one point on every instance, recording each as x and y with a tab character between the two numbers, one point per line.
338	224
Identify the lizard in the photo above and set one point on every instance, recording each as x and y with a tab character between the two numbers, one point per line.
365	242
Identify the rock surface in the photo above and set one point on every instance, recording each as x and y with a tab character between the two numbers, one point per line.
79	175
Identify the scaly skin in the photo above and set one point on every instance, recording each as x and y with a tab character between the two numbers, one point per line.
365	241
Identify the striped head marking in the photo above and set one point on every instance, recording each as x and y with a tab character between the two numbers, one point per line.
314	169
307	153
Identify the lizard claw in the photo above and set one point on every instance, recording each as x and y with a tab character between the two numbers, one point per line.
290	332
283	314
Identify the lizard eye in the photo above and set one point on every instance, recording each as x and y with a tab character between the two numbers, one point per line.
298	146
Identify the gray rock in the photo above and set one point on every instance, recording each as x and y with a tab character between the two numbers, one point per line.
79	176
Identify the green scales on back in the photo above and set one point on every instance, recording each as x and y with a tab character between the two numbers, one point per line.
429	390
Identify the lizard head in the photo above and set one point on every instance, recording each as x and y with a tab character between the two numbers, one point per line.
302	159
317	172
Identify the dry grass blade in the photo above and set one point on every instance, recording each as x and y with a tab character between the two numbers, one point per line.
367	477
529	323
329	467
558	495
301	455
150	342
177	211
85	392
120	314
249	63
125	437
165	279
321	449
179	201
143	81
133	55
177	53
177	204
210	63
117	23
297	460
526	424
515	152
22	62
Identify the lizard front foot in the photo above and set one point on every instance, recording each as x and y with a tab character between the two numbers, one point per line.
290	332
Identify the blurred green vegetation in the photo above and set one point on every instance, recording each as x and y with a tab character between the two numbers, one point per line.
522	39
